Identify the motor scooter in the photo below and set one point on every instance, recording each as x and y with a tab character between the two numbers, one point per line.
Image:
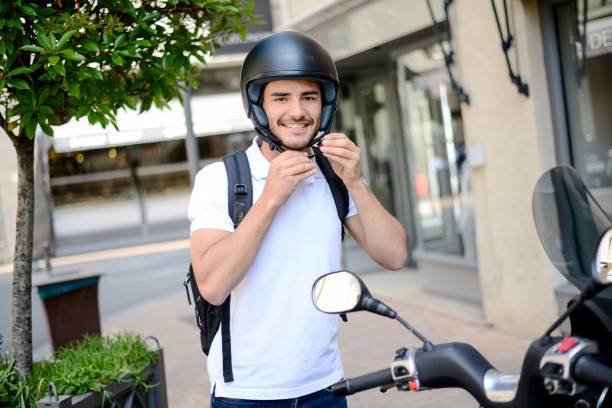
558	371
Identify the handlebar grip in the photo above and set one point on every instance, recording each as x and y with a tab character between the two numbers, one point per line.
589	370
363	382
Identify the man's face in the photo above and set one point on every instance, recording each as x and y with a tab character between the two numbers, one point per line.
293	108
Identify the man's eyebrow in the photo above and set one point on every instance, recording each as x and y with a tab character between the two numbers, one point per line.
313	92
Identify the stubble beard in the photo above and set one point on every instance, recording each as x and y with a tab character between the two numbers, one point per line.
296	145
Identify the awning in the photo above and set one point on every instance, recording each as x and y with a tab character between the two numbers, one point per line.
212	115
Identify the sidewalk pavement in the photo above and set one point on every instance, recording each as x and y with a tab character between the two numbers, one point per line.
367	342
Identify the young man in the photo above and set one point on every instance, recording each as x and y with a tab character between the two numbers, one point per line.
284	351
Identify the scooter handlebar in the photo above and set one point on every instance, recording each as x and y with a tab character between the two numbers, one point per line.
589	370
363	382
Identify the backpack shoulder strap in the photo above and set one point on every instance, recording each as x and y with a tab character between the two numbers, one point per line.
336	185
239	201
239	186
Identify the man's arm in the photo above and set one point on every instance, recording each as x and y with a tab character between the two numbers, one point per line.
378	232
221	259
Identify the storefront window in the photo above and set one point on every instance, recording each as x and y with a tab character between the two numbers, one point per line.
584	30
364	117
436	154
93	176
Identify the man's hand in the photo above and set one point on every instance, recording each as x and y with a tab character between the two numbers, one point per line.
344	156
286	172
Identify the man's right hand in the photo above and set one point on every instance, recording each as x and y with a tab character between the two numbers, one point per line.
287	170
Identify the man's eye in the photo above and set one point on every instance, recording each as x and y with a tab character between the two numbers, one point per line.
309	98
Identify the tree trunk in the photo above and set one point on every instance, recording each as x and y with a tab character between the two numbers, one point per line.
22	271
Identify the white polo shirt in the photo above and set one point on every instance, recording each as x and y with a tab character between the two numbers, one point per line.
282	346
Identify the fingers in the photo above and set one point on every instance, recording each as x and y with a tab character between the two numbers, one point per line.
339	144
339	152
344	162
300	168
305	175
292	163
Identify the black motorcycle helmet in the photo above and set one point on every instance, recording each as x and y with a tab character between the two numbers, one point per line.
287	55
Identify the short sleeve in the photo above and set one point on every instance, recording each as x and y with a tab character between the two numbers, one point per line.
352	208
208	201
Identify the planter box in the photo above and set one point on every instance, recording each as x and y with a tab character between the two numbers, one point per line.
123	394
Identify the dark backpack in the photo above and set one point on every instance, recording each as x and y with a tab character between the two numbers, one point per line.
239	199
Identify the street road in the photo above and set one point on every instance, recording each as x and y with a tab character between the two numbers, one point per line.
127	282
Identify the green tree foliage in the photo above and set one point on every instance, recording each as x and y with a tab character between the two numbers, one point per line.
61	59
64	59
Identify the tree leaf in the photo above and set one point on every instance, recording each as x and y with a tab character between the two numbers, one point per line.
46	128
19	109
54	59
46	11
144	43
18	71
28	10
42	95
75	57
90	46
31	48
91	117
67	52
44	41
64	39
96	74
60	69
74	88
18	83
117	59
118	41
2	83
31	128
53	41
151	16
9	61
46	110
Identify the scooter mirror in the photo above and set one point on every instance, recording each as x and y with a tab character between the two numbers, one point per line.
337	292
602	267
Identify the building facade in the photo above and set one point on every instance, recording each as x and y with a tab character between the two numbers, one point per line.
460	175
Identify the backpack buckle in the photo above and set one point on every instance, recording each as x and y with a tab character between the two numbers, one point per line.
240	189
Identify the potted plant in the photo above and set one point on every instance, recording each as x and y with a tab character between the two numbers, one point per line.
98	371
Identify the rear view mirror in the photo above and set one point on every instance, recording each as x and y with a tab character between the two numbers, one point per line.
602	268
337	292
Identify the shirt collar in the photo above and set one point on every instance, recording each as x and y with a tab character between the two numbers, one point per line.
260	166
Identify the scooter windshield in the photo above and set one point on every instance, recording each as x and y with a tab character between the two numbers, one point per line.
569	223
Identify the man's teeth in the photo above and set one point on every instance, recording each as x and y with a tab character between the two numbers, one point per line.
295	125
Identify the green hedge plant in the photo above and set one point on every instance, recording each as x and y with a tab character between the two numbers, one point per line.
87	365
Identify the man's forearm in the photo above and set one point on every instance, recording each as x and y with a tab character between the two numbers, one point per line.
221	267
385	238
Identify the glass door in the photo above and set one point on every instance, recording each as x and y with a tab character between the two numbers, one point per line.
374	137
437	155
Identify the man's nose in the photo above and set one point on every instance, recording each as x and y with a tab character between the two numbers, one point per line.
296	110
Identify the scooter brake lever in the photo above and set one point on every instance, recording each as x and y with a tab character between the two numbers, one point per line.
387	387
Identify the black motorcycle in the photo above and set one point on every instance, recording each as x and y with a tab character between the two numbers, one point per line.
568	371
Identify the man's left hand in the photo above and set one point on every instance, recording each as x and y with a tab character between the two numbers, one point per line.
344	156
